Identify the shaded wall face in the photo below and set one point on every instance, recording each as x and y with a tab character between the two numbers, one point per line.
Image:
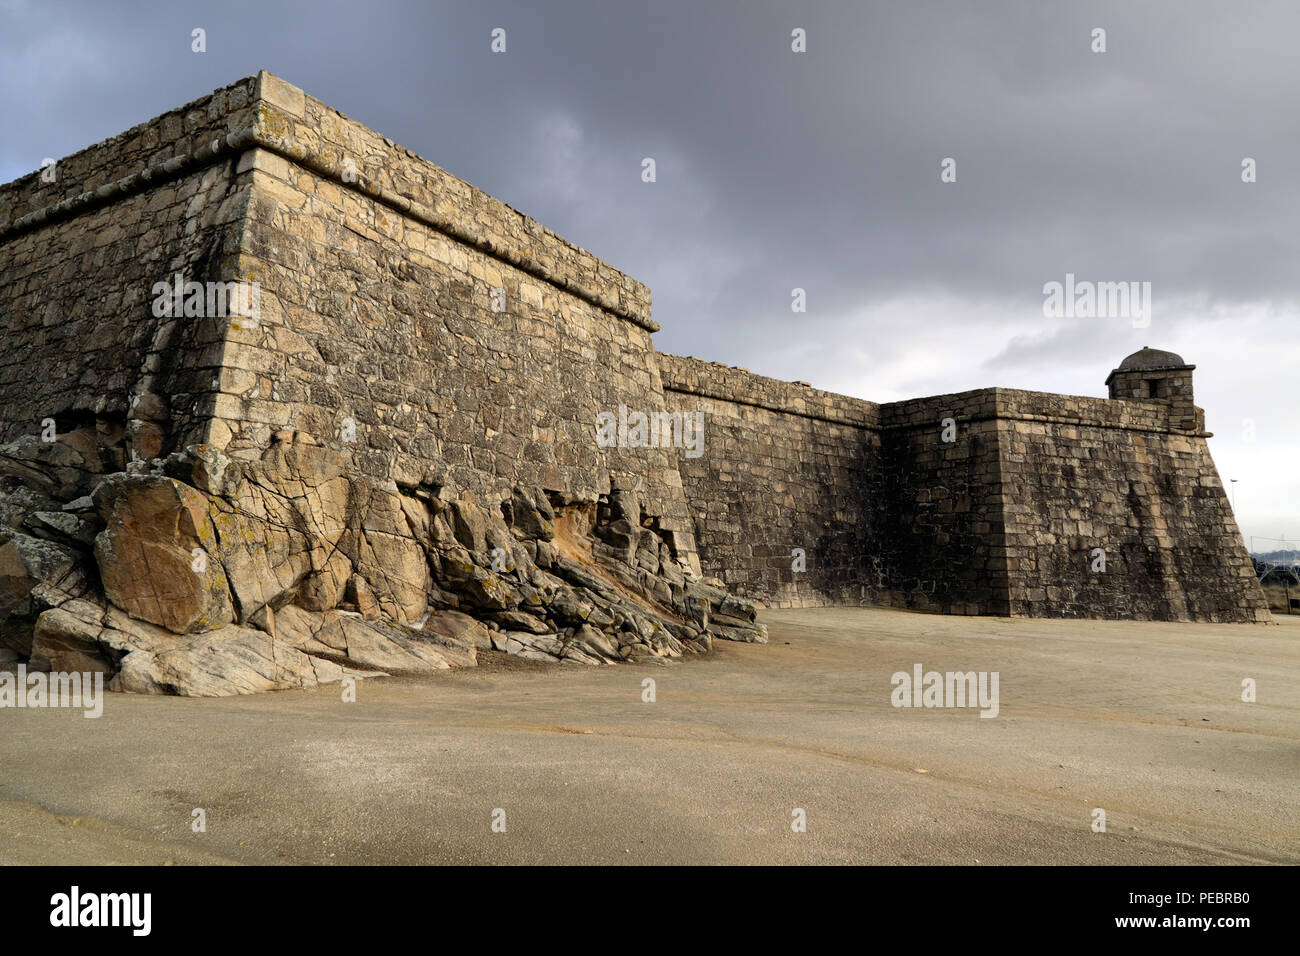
382	336
944	548
81	340
1150	502
784	492
784	506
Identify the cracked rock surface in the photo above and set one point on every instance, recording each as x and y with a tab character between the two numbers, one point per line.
204	575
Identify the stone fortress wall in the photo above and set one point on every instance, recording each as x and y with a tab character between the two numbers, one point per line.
1128	477
1005	518
455	355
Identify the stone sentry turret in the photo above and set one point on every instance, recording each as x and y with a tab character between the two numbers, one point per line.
1154	375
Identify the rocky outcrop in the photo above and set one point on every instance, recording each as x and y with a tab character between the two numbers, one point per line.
206	575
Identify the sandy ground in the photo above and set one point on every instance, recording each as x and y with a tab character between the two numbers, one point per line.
1143	720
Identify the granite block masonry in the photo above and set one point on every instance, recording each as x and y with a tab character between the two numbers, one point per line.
386	457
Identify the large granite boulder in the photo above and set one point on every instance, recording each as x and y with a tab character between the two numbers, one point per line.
156	554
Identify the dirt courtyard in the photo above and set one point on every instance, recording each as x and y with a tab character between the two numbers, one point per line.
1144	721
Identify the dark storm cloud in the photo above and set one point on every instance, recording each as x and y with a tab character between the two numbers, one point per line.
817	170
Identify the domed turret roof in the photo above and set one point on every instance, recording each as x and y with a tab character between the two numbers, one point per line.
1151	358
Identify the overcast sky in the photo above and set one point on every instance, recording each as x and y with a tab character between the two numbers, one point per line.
818	170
